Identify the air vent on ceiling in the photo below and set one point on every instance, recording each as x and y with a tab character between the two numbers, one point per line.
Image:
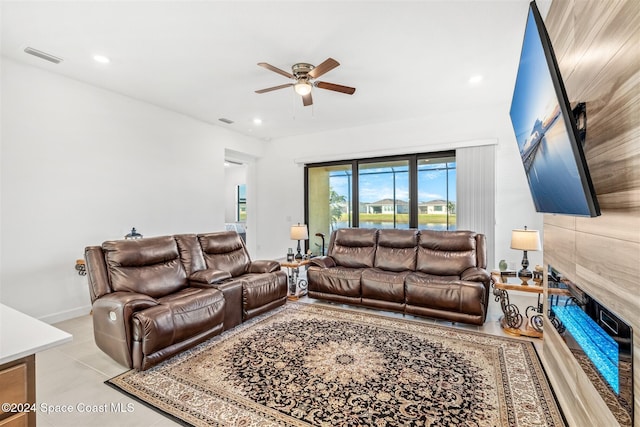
227	121
43	55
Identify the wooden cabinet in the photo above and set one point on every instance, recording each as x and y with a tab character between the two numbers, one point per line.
17	386
20	340
17	420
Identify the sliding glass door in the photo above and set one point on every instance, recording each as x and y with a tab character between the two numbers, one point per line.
383	194
329	193
408	191
437	193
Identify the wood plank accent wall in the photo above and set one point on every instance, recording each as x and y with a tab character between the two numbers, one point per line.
597	43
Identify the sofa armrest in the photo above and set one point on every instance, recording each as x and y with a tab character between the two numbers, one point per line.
112	322
263	266
232	291
208	277
476	274
323	262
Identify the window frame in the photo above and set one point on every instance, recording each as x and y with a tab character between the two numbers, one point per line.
240	202
413	160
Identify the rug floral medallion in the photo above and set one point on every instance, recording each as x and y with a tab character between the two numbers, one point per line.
317	365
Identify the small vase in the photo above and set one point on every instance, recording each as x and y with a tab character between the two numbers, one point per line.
502	265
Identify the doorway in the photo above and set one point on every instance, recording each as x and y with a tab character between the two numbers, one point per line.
235	207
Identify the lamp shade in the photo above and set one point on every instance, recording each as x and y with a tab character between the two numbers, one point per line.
525	240
299	232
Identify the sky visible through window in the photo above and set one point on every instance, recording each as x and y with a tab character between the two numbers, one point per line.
375	183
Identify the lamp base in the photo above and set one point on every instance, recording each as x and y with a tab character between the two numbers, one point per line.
299	253
525	275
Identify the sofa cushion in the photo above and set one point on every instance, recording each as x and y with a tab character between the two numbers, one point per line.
225	251
458	296
149	266
383	285
354	247
336	280
178	317
190	253
396	250
446	252
260	289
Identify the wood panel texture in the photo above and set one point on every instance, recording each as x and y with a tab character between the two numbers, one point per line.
18	385
597	44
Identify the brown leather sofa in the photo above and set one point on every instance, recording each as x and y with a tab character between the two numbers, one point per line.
155	297
439	274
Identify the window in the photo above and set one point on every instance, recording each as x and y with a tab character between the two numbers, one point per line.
383	191
410	191
329	192
241	203
437	193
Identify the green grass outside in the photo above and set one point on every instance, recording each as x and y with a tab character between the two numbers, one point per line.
422	218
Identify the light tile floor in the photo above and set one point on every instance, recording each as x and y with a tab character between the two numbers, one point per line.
72	376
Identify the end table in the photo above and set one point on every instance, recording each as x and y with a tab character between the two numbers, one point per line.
512	319
297	287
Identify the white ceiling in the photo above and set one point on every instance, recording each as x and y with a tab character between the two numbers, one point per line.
407	59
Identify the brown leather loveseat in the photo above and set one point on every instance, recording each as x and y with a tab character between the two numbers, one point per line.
439	274
155	297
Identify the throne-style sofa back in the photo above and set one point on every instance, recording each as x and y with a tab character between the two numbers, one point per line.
155	297
438	274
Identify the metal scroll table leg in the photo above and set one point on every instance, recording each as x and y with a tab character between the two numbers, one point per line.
512	317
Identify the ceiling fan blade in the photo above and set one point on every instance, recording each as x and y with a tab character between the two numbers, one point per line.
275	69
269	89
338	88
325	67
307	100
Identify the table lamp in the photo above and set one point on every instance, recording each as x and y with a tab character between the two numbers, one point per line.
525	240
299	232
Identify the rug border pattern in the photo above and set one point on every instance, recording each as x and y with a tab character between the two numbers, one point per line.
187	416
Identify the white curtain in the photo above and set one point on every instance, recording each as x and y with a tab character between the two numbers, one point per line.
476	193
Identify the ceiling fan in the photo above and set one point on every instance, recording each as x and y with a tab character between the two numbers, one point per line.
304	75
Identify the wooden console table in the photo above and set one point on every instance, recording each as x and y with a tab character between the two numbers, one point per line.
21	337
512	320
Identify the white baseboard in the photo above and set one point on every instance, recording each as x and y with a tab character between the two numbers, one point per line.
66	315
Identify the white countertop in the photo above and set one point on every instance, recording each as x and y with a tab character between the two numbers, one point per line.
22	335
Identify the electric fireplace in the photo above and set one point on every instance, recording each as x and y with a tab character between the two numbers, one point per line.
600	341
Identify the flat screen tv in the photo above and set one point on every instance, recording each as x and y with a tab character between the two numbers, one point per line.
546	132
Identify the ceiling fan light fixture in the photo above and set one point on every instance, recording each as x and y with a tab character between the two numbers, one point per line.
304	78
302	88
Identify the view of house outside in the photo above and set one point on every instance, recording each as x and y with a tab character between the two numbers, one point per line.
382	195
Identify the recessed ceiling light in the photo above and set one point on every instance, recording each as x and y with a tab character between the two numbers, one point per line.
475	79
101	59
257	121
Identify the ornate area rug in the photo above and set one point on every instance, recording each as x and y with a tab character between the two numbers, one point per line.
314	365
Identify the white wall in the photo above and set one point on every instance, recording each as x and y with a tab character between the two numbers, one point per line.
81	165
281	170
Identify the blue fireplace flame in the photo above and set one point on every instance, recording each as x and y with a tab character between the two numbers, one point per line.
601	349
